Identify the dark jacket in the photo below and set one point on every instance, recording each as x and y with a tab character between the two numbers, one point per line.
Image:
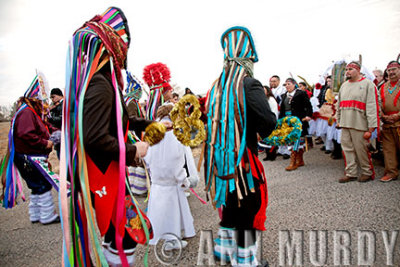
132	109
31	134
100	124
260	118
300	107
321	96
56	115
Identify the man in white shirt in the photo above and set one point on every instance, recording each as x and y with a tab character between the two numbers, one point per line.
277	89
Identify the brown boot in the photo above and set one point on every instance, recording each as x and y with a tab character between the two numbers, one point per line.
299	158
292	166
364	178
346	179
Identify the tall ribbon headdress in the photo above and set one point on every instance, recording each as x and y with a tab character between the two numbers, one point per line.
102	40
226	115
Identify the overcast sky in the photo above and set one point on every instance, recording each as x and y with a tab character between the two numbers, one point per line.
298	36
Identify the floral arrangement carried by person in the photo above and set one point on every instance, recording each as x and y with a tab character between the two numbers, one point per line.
287	132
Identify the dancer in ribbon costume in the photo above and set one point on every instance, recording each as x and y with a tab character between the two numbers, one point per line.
236	111
95	148
157	77
30	136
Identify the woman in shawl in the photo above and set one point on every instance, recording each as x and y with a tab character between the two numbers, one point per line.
295	102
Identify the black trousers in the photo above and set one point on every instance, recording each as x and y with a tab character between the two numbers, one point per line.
241	217
32	176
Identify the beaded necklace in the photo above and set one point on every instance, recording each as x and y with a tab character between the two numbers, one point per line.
394	88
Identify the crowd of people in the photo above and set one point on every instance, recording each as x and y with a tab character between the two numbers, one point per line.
97	126
355	123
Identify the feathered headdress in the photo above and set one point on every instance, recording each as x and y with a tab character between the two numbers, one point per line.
226	115
102	40
157	76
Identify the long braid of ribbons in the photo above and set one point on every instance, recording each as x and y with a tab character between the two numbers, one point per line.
226	118
67	256
155	100
86	218
13	186
129	99
85	51
122	172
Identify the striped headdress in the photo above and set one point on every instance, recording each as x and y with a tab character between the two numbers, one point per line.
38	88
133	91
226	115
102	40
134	87
157	76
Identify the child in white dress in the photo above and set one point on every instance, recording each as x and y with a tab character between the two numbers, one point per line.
172	169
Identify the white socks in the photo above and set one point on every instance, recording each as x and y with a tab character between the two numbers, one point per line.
113	258
47	209
34	209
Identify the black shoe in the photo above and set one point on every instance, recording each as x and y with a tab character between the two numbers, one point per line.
323	148
272	156
56	220
328	151
318	141
336	156
286	156
310	142
337	150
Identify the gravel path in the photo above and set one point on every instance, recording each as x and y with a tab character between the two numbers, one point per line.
309	198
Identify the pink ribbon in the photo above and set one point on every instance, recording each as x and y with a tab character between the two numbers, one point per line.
198	197
122	165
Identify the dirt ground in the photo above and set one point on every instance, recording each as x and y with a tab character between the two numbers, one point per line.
4	128
306	200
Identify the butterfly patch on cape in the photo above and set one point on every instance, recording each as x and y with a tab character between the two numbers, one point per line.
101	192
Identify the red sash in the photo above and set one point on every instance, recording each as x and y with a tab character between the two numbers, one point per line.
257	171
